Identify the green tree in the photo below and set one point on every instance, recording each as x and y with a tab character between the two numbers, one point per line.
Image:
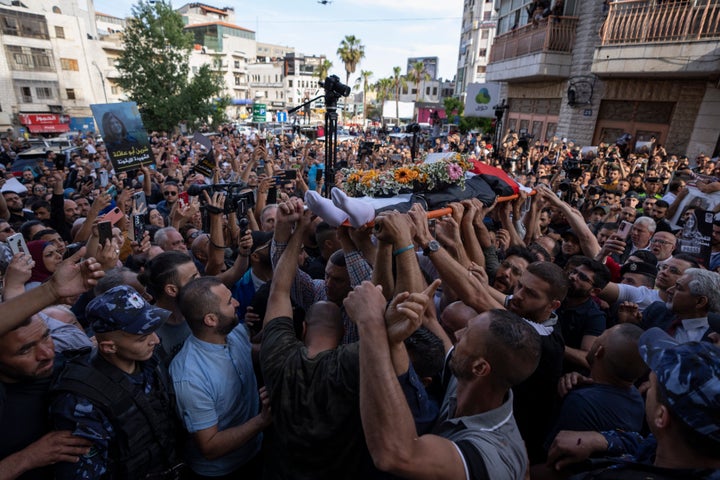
363	82
154	70
351	51
418	74
323	70
398	82
383	88
453	105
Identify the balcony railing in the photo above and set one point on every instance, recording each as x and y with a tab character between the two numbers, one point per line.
553	34
633	22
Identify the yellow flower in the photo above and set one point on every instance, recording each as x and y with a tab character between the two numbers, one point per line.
354	177
368	177
405	175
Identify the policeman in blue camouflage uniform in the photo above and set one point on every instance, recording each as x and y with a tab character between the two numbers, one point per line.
682	410
119	396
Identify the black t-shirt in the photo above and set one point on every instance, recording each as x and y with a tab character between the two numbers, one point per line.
24	419
315	405
536	398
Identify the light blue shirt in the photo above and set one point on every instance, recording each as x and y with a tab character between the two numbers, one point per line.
215	385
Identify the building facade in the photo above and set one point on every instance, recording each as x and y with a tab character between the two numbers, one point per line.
476	36
48	66
593	71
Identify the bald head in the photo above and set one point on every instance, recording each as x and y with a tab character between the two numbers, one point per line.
456	315
324	319
616	350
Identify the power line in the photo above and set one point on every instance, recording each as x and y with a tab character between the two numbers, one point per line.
364	20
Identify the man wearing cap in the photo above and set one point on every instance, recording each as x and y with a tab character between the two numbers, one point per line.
119	397
638	274
681	410
631	200
668	273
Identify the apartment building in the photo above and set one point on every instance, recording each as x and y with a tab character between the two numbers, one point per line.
48	75
476	35
592	71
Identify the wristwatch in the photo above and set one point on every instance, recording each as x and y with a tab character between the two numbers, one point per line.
432	247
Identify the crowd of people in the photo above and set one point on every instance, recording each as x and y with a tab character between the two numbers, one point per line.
258	328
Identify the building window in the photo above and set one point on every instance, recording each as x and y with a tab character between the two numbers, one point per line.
70	92
69	64
290	83
23	24
434	91
44	93
57	10
26	94
481	69
486	16
237	64
29	59
59	32
414	91
485	34
238	80
482	52
115	90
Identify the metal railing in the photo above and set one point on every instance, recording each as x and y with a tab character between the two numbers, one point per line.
552	34
632	22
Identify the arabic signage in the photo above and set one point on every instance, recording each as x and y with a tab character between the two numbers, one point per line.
481	98
124	135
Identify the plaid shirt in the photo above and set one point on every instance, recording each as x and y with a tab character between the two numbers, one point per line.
306	291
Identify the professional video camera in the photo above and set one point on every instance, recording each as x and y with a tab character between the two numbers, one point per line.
235	199
367	148
333	86
412	128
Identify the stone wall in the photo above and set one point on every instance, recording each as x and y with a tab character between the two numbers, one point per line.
574	122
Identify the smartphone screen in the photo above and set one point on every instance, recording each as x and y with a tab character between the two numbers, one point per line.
138	227
140	202
104	232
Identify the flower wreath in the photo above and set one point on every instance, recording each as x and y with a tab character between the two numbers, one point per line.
421	177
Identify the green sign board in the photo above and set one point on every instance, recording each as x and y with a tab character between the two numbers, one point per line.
259	112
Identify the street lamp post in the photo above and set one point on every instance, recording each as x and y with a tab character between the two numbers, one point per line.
102	80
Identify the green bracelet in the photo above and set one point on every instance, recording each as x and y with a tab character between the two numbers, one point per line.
403	250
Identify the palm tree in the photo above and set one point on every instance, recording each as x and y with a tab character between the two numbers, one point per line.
323	69
351	51
417	74
382	87
398	82
363	81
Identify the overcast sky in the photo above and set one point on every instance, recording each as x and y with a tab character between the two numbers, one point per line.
391	30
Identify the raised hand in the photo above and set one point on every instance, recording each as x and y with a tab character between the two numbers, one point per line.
404	315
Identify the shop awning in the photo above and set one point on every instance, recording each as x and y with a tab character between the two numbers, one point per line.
49	128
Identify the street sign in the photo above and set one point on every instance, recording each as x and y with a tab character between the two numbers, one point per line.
259	113
281	117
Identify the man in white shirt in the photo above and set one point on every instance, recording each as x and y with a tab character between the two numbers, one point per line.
695	294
